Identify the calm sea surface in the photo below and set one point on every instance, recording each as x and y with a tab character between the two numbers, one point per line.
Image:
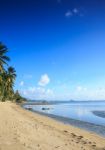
76	110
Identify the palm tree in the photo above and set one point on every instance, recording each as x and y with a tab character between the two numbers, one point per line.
7	82
3	58
3	85
3	61
12	72
11	76
7	76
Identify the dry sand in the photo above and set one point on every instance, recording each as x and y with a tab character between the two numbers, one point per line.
24	130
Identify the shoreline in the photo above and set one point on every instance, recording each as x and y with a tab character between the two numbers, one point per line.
91	127
25	130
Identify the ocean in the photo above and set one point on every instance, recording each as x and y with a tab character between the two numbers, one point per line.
79	113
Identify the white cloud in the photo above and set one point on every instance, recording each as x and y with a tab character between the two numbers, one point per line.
24	93
44	80
38	93
85	89
78	93
32	89
75	10
49	92
80	88
22	83
41	91
68	14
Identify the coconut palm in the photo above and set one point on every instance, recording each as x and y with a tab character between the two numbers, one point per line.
11	76
7	83
3	85
12	73
3	61
7	78
3	58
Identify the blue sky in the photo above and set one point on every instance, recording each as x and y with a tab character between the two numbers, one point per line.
56	46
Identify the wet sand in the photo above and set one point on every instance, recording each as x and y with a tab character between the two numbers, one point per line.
24	130
98	129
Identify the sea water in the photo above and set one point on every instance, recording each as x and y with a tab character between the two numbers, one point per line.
81	111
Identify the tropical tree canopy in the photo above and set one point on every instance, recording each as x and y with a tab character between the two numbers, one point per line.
7	75
7	78
3	57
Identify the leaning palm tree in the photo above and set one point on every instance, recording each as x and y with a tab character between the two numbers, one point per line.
3	58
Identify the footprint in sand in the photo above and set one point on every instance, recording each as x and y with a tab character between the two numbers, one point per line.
38	145
80	137
90	142
84	142
73	135
57	146
65	131
93	145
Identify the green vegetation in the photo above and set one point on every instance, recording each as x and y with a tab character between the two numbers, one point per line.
18	98
7	78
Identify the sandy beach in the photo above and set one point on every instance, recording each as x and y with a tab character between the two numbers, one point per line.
24	130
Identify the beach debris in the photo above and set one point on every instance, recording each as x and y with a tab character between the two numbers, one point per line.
29	108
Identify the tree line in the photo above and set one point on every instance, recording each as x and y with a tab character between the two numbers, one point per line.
7	77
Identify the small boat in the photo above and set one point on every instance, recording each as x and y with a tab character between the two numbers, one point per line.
45	108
